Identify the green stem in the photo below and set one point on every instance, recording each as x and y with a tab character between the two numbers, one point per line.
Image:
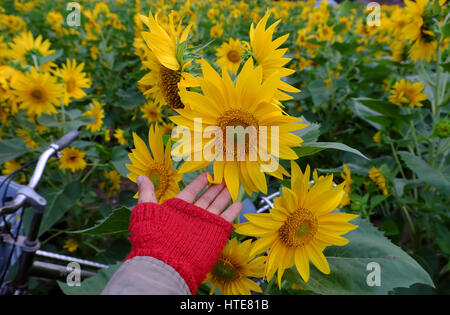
424	74
52	236
88	173
397	160
416	144
93	247
435	103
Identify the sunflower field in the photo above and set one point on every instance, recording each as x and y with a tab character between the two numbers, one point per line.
359	95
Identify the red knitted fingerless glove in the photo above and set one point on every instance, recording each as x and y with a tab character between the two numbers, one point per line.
186	237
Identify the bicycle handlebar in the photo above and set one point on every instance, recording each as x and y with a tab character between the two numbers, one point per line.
65	140
39	170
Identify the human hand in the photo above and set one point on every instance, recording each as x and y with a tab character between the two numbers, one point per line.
187	232
214	199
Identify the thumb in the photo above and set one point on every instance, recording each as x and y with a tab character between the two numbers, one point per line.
146	190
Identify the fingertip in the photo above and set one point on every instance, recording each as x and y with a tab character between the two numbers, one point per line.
232	212
146	189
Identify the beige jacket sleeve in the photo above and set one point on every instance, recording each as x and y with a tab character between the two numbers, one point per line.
146	275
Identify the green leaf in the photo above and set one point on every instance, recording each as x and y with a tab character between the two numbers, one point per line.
385	108
389	227
58	203
12	148
319	92
93	285
426	172
349	265
446	30
446	66
117	222
376	200
130	98
443	239
309	148
119	157
55	55
310	133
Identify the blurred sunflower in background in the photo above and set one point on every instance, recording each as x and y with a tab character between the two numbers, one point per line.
72	158
112	181
233	268
25	48
155	163
230	55
75	80
152	112
300	226
406	93
378	178
96	111
38	93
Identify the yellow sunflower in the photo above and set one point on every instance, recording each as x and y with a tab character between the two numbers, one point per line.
72	159
233	267
27	138
10	167
152	112
38	93
268	54
216	31
347	176
378	178
224	105
156	164
75	80
24	46
405	93
230	55
418	30
96	111
71	245
300	226
120	137
112	182
167	67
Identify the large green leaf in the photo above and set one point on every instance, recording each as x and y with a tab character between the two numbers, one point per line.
310	133
426	172
93	285
117	222
58	203
12	148
309	148
349	265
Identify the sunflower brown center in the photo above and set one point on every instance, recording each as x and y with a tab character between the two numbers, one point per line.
299	228
224	270
70	85
168	83
235	118
234	56
37	95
